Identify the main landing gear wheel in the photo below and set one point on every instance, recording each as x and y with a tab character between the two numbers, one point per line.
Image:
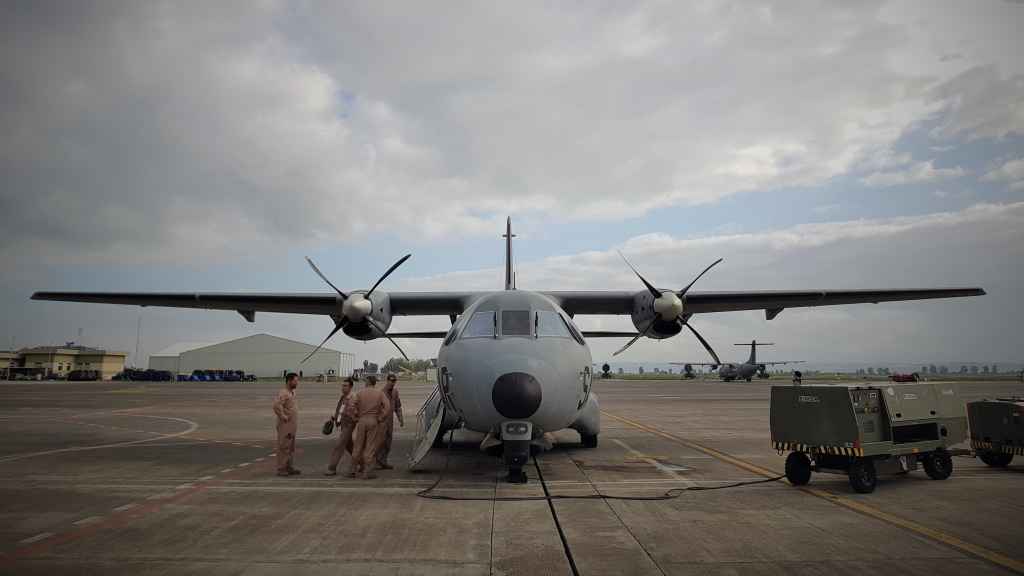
798	469
589	440
938	465
516	475
862	476
996	459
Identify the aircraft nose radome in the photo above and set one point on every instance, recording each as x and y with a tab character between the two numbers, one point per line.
516	395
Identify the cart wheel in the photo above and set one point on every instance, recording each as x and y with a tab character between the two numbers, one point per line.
938	465
862	475
798	468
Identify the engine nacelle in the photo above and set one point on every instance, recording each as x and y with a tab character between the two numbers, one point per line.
380	313
643	313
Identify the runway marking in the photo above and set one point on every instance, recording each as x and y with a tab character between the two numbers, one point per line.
261	459
183	486
125	508
891	519
36	538
87	521
670	472
226	470
192	426
205	478
244	464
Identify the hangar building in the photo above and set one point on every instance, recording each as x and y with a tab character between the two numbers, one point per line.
260	354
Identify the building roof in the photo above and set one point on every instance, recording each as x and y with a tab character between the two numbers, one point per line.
183	347
69	349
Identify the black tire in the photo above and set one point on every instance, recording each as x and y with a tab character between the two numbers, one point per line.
995	459
938	465
862	476
798	469
589	440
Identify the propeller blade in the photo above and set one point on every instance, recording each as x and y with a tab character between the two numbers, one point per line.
337	327
704	342
654	291
388	273
390	339
635	338
683	292
324	278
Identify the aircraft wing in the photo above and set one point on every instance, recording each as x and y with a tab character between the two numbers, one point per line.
771	301
402	303
448	303
777	362
694	364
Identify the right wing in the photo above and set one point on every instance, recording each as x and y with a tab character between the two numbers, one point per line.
402	303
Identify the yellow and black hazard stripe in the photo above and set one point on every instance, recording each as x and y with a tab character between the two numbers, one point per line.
818	449
992	447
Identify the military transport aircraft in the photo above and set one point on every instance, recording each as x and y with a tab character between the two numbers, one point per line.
513	365
742	370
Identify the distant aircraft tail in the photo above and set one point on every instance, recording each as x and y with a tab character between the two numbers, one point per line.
510	277
753	349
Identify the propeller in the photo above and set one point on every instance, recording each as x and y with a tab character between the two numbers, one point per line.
668	306
356	308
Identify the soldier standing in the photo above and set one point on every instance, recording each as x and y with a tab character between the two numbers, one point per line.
371	405
287	412
344	418
387	430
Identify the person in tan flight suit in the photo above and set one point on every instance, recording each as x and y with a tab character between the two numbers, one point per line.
287	412
371	405
387	430
344	418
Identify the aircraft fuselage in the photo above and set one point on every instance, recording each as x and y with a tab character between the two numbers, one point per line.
516	356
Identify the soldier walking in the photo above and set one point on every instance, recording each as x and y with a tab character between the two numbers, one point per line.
386	433
345	420
287	412
371	405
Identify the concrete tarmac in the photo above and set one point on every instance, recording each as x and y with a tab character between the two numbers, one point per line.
178	478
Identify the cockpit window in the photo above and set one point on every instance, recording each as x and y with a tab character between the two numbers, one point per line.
549	325
515	323
481	325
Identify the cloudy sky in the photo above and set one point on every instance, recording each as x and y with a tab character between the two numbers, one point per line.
153	146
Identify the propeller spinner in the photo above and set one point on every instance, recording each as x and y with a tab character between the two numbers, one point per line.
668	307
356	308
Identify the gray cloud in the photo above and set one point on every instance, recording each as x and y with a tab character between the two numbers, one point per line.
156	132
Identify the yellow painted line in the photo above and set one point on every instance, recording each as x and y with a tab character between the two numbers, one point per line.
854	505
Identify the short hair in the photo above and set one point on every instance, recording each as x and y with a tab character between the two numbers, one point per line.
392	378
349	380
290	375
371	380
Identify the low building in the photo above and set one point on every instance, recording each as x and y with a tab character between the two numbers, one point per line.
262	355
58	361
8	360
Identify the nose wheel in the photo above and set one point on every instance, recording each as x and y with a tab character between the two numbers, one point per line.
516	475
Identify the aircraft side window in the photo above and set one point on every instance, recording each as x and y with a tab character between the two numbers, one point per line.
550	325
515	322
572	330
481	325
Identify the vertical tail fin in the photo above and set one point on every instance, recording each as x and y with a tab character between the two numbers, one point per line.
510	279
753	349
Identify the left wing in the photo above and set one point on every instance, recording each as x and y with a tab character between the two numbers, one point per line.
771	301
777	362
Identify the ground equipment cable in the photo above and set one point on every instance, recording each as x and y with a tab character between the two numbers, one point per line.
669	494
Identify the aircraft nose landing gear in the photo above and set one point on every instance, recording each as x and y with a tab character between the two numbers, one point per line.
516	439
